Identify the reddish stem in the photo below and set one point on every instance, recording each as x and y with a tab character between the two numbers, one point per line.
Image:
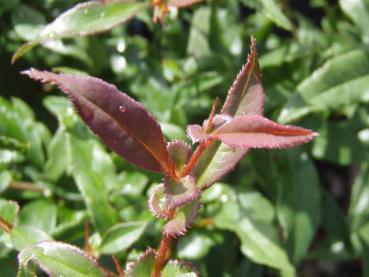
119	269
163	250
161	255
212	114
87	237
5	225
196	155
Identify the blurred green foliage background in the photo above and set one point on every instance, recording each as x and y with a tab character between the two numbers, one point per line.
303	209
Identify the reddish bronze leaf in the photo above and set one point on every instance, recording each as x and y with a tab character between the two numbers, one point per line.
246	94
122	123
196	133
255	131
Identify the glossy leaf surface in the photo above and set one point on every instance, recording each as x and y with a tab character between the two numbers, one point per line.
25	235
275	14
60	259
121	236
250	215
85	19
122	123
339	82
41	214
299	201
92	181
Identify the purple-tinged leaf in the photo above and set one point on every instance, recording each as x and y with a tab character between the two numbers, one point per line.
246	94
183	219
143	266
158	203
178	193
122	123
196	133
255	131
180	153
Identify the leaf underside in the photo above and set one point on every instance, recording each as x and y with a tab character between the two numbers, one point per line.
122	123
182	192
246	96
255	131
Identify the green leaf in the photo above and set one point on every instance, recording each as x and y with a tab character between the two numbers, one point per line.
121	236
359	202
5	180
132	183
27	22
91	169
250	216
195	245
177	269
6	5
341	81
58	155
25	235
365	256
358	12
198	44
274	13
143	266
60	259
299	201
339	143
63	110
8	210
86	19
18	123
40	214
334	220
